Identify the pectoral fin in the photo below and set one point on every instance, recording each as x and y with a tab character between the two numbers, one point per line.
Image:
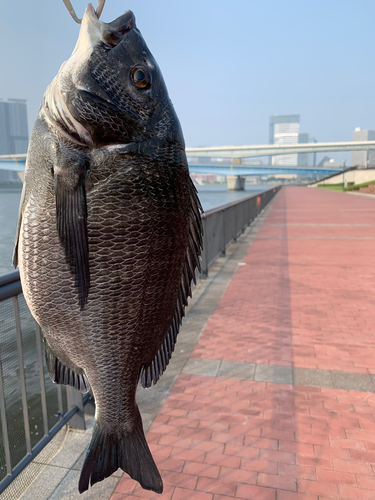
71	221
19	223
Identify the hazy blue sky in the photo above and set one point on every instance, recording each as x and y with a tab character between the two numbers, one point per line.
228	65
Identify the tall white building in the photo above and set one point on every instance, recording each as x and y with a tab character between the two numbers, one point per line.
284	129
14	135
13	132
363	158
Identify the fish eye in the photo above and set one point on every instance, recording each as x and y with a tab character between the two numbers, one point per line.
141	77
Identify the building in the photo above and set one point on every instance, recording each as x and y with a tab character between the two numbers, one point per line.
14	136
303	157
327	162
363	158
284	129
311	157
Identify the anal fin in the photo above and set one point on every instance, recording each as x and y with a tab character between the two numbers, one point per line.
61	373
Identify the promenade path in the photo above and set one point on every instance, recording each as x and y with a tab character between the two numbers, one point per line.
277	398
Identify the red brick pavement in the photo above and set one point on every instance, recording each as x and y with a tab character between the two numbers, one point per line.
304	298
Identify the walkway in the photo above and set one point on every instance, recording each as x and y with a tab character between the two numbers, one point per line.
277	399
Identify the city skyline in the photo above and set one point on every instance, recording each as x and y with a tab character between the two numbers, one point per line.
219	60
283	129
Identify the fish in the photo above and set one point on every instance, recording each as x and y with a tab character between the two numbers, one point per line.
109	236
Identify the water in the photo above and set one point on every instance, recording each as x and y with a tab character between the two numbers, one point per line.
210	196
9	202
214	196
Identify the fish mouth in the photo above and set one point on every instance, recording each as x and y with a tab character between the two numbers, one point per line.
57	107
111	34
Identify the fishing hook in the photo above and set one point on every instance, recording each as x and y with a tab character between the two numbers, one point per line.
69	6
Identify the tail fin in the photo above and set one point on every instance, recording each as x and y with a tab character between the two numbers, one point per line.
129	451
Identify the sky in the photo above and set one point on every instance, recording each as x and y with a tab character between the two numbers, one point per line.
228	66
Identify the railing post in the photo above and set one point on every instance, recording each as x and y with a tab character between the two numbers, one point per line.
75	398
38	334
21	366
223	232
204	263
4	425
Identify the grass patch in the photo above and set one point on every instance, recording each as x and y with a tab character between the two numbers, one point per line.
332	187
350	186
355	187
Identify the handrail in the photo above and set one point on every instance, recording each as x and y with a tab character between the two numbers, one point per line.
10	285
233	203
224	224
40	445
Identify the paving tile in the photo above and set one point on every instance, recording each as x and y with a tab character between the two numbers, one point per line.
307	376
276	481
45	483
232	369
196	366
289	495
68	489
270	373
353	493
185	494
318	488
353	381
249	492
336	477
216	486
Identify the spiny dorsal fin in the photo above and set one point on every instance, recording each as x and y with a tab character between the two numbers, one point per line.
151	374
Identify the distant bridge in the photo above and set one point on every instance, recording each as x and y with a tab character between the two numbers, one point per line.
278	149
248	170
16	163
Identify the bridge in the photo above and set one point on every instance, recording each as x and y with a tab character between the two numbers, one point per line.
17	162
278	149
249	170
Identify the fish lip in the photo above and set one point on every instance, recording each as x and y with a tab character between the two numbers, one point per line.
91	11
109	33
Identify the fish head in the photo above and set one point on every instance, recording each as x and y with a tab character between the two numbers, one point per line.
111	90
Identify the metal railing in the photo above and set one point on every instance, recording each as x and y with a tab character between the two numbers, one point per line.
30	405
224	224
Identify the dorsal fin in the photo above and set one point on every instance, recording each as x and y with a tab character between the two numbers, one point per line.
151	374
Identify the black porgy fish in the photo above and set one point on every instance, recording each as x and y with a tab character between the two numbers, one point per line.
109	235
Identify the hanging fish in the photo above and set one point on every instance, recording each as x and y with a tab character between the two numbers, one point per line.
109	235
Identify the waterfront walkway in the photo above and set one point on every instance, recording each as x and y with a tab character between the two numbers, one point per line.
276	400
